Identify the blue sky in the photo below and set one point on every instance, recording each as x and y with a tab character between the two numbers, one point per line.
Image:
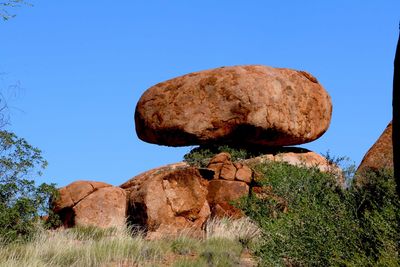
83	65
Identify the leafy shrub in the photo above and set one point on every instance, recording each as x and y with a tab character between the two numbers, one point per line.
21	201
200	156
325	225
377	207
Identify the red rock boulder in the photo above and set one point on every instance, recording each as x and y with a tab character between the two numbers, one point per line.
255	105
379	156
220	195
88	203
168	200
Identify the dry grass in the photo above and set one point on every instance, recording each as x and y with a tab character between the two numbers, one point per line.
83	247
243	230
223	246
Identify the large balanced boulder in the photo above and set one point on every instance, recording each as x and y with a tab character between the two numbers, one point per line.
89	203
247	105
379	156
168	200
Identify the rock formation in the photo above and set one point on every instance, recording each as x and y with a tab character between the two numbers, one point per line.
255	105
247	106
168	200
379	156
230	182
88	203
180	198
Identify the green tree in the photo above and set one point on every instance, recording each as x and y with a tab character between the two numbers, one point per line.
21	201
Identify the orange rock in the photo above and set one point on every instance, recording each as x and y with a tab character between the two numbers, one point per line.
228	171
104	208
73	193
380	155
222	157
224	169
243	173
255	105
216	168
222	192
64	200
91	203
168	201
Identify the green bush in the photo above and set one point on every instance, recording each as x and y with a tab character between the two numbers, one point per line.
377	207
200	156
21	201
325	225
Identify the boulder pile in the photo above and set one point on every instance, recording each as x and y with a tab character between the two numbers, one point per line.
241	106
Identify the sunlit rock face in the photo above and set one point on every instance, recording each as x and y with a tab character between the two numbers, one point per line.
90	203
254	105
378	157
168	200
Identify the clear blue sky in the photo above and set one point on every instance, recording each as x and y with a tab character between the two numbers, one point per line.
82	66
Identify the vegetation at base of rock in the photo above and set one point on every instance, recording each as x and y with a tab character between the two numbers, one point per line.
90	246
200	156
324	224
21	201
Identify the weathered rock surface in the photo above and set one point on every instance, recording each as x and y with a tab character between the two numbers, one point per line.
104	208
255	105
175	198
71	194
89	203
221	193
225	169
379	156
230	182
168	200
178	197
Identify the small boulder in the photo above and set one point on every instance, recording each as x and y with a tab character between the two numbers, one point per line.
243	173
89	203
104	208
228	171
220	195
225	169
73	193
